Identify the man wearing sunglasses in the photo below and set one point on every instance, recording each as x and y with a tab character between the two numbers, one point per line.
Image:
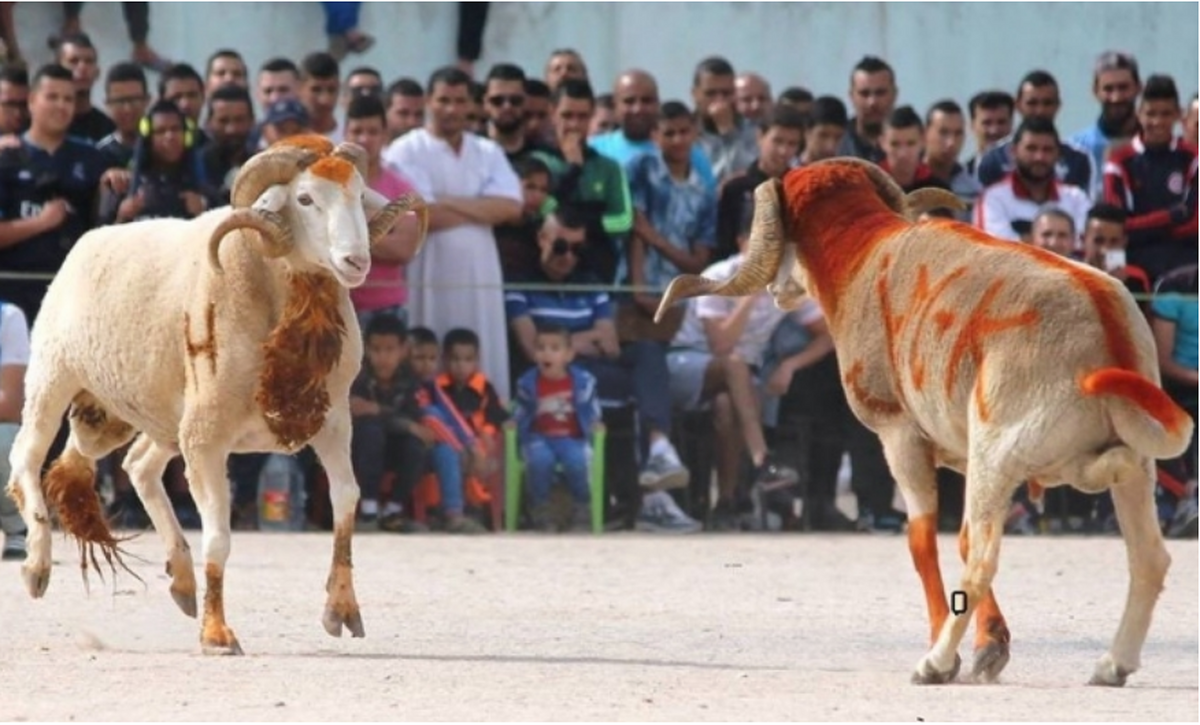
504	106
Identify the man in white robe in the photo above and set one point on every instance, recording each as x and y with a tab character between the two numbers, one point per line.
456	281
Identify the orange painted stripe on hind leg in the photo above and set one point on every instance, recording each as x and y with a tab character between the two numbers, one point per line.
989	621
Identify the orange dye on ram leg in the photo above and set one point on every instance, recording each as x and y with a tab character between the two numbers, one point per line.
1139	391
1104	297
922	544
837	219
989	622
977	328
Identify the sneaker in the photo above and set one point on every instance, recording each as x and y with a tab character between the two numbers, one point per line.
664	471
661	514
14	547
887	520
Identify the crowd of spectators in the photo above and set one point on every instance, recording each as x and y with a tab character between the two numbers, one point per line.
561	206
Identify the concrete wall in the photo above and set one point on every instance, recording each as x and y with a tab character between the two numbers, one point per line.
937	49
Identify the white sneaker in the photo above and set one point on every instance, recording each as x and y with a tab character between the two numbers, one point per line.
661	514
664	471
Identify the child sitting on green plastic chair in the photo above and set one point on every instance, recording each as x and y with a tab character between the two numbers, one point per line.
556	411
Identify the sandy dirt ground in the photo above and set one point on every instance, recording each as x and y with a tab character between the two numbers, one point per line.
617	627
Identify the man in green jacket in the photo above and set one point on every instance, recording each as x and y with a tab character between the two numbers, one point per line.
595	186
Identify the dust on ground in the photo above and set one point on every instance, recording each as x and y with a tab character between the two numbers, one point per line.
614	627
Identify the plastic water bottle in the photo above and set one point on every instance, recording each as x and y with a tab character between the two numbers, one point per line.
281	494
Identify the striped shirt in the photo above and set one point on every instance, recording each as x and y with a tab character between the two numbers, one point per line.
576	311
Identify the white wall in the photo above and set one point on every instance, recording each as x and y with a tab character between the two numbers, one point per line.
937	49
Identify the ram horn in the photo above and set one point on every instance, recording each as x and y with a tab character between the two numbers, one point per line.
761	265
355	154
383	221
276	235
922	200
277	165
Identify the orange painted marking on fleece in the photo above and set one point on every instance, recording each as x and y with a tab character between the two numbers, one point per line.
893	322
1138	390
1104	298
979	326
837	219
925	297
314	142
862	396
335	169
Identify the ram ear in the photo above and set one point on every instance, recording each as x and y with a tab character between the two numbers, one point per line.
273	199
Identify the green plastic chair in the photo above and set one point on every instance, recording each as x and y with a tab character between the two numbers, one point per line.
514	478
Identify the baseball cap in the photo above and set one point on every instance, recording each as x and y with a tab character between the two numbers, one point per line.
287	109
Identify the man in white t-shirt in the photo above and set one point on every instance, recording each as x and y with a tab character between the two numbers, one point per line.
14	358
470	187
713	361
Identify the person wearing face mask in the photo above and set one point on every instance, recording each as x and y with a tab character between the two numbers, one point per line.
166	181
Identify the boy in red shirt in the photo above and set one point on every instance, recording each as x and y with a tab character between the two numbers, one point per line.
557	410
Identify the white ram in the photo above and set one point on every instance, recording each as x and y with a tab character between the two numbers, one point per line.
231	332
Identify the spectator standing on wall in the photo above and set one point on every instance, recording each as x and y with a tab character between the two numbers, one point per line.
341	27
470	187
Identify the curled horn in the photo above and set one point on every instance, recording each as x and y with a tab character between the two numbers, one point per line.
276	165
761	266
355	154
885	185
922	200
276	234
381	223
